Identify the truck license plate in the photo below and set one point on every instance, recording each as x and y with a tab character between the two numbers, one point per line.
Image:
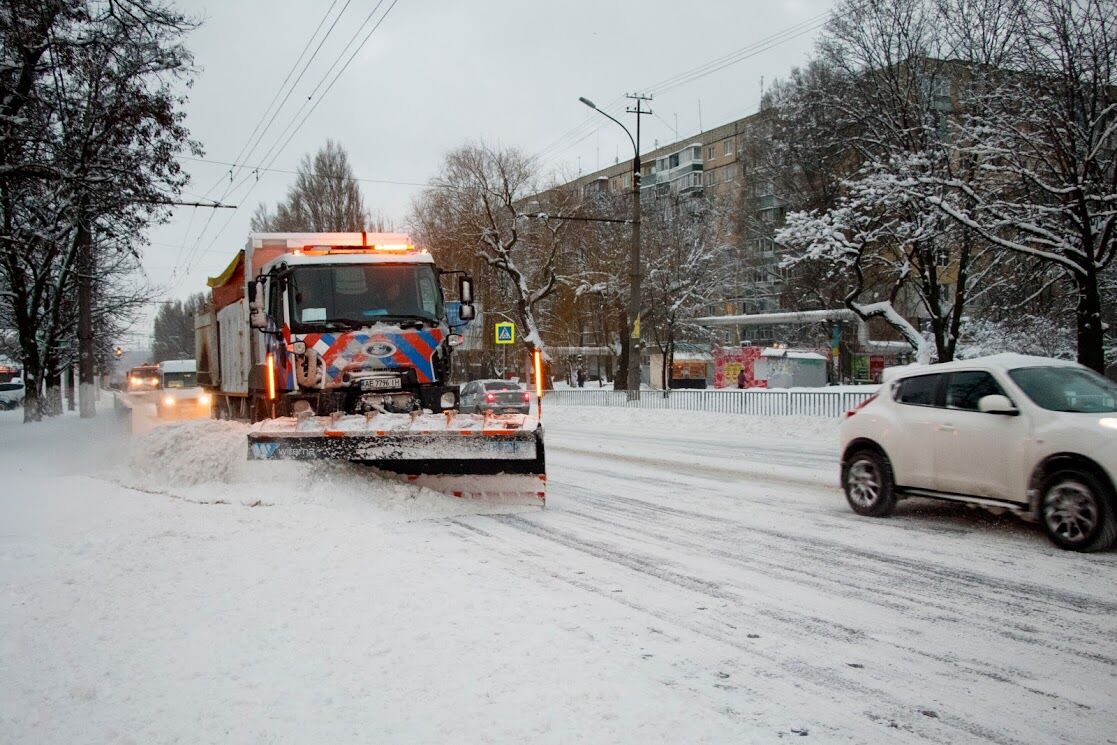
380	384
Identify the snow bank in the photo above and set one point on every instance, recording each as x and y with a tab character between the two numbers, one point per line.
731	427
198	461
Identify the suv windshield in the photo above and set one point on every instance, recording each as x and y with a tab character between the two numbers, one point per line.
1072	389
180	379
361	294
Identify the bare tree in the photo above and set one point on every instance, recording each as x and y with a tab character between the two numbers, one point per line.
325	198
477	209
689	264
174	328
90	124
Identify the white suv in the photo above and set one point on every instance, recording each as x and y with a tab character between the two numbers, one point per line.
1030	434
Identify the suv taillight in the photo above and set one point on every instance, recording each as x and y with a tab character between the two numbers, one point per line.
490	397
861	405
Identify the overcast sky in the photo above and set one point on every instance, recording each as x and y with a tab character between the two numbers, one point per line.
439	73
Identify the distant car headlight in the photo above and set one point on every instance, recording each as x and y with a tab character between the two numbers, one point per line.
204	399
168	401
1109	421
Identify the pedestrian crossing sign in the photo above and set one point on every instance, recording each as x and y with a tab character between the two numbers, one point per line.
505	333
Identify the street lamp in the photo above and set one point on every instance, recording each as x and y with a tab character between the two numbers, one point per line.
633	382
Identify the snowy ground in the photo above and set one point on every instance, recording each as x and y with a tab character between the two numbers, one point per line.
694	578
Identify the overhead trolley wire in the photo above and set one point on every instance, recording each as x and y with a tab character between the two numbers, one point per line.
254	140
277	146
578	134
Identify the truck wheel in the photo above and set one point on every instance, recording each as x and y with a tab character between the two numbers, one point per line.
868	484
1077	511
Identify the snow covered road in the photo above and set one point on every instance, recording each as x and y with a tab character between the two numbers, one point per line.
694	578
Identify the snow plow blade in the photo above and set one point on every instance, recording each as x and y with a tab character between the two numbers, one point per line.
497	458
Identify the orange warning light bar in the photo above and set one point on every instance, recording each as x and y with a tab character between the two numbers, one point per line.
395	248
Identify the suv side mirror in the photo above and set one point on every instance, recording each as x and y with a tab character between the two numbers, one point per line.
997	404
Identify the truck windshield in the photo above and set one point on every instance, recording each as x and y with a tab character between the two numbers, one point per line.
364	294
141	378
180	379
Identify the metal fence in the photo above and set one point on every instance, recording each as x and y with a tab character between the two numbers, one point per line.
816	403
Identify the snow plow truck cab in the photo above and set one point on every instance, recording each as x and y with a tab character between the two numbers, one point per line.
337	346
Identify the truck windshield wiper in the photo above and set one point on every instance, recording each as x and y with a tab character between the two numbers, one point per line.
406	320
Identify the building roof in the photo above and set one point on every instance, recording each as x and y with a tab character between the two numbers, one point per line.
792	355
715	134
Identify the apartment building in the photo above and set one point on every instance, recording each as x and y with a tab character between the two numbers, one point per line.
714	163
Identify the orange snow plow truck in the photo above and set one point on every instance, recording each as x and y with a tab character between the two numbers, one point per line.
336	346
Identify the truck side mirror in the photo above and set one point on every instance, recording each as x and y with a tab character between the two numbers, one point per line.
466	312
465	290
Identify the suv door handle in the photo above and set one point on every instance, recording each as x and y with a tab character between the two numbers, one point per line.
945	428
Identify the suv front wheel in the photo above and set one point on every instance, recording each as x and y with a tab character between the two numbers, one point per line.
868	484
1077	511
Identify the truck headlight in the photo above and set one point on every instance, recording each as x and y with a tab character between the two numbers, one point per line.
204	399
449	400
168	401
1109	421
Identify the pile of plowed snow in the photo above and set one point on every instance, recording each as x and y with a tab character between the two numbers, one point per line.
206	461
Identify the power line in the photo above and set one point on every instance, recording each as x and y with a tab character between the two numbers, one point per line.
320	98
329	70
578	134
251	144
296	173
282	85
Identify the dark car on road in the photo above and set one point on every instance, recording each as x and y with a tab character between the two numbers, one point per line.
496	396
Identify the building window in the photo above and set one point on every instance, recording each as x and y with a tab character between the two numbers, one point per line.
710	178
696	153
673	161
727	174
710	152
728	147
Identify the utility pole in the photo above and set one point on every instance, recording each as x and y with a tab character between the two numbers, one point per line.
634	274
634	269
86	385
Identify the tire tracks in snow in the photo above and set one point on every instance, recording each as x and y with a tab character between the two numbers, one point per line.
797	673
910	587
912	605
